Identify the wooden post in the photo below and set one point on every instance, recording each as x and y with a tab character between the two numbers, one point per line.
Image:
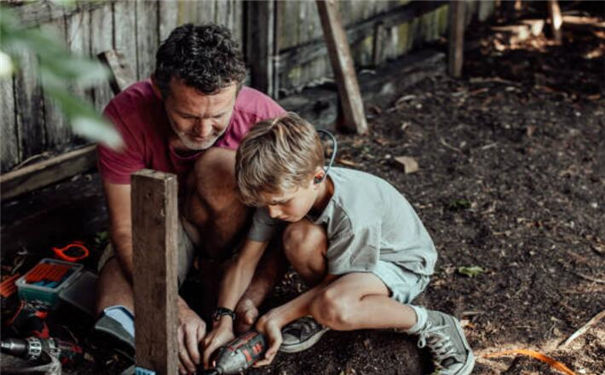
261	45
554	13
353	116
154	241
456	41
122	75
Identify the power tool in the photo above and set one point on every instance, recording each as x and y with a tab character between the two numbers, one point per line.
31	348
238	354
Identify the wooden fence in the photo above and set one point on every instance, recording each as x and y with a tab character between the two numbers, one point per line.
282	40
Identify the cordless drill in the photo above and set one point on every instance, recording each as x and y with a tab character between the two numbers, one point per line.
31	348
239	354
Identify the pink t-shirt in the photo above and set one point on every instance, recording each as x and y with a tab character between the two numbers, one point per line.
139	115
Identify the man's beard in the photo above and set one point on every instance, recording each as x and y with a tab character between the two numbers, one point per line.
196	145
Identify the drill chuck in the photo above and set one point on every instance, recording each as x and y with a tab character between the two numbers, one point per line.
31	348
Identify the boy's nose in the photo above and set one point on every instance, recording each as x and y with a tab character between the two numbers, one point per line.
274	212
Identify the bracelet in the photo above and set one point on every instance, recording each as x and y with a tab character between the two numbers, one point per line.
220	311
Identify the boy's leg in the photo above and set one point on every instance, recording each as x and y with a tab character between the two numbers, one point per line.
305	245
360	301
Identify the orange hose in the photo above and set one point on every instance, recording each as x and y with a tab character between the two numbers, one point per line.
539	356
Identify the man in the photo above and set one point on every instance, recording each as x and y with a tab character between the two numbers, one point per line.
187	119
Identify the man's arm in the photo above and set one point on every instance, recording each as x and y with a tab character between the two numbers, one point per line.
120	224
235	281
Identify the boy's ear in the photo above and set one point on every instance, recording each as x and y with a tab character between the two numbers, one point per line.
319	176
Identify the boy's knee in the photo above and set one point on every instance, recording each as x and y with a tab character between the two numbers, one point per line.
330	309
302	241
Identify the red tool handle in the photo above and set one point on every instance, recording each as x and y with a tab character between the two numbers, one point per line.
81	251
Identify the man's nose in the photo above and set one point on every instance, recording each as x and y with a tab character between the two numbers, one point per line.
274	212
203	128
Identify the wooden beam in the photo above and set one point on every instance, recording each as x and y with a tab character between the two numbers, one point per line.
44	173
261	45
554	13
456	38
353	116
122	75
154	241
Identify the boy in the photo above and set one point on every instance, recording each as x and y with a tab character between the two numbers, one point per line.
351	236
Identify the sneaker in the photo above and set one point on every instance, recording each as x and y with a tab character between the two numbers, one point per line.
444	337
301	335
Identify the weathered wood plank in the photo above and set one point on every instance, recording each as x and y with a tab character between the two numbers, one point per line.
8	127
30	108
169	14
353	116
237	22
154	240
147	31
124	16
38	12
221	12
77	29
35	176
58	133
122	75
101	39
261	45
456	38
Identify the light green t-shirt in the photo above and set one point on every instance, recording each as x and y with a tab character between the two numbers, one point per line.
366	219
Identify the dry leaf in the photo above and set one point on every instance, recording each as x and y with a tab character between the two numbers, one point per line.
347	162
410	165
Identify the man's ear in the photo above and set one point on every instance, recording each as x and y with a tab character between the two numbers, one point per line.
156	88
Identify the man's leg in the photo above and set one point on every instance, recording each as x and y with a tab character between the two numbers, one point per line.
113	288
218	221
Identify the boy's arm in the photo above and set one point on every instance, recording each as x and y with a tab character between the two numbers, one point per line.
272	322
233	285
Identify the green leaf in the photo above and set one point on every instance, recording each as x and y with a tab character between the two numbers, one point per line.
471	271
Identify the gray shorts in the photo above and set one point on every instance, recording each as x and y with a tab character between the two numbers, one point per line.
404	285
186	254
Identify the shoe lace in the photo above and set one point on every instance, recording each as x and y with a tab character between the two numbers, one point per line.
438	343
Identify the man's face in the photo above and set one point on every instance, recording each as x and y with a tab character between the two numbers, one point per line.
198	119
292	205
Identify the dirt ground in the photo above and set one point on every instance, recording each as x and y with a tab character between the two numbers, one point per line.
510	179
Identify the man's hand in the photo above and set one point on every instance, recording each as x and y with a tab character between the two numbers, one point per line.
221	334
191	331
270	326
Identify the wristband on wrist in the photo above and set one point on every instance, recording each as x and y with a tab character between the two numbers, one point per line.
220	311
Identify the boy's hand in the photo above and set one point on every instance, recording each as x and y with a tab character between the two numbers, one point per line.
221	334
190	332
269	326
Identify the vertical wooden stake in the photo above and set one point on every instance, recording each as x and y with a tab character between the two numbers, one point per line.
554	12
354	118
456	41
154	241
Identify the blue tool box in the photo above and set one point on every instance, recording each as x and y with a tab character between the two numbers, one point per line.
45	293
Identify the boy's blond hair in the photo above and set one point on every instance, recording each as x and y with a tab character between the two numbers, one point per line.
275	156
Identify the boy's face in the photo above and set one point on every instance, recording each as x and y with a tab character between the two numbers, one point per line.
292	205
